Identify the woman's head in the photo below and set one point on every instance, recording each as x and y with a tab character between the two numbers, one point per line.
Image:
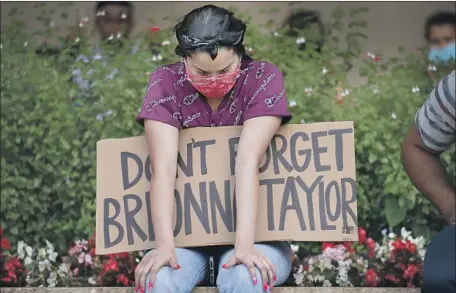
211	40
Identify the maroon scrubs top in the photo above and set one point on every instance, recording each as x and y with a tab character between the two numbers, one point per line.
170	98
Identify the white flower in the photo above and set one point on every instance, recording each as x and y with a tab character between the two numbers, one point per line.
300	41
319	278
100	13
25	44
276	34
77	40
302	121
375	89
165	43
111	37
327	283
294	248
81	24
371	55
392	235
108	113
345	93
100	117
92	281
27	261
324	70
85	19
393	115
405	234
1	46
42	253
308	90
20	249
292	103
119	35
384	231
432	67
157	57
53	256
41	266
63	270
249	49
29	250
123	16
52	24
81	257
415	89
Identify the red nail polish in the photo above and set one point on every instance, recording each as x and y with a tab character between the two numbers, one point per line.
151	285
224	266
275	278
254	281
265	287
179	267
142	290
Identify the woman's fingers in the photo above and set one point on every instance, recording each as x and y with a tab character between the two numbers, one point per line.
140	268
232	262
271	271
251	267
259	263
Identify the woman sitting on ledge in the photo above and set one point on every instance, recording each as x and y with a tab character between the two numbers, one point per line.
215	84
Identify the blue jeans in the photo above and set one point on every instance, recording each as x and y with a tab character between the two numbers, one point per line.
440	263
194	267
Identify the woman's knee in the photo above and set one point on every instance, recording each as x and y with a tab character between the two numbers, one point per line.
164	282
238	280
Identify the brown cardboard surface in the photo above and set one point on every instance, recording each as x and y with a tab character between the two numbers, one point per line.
307	188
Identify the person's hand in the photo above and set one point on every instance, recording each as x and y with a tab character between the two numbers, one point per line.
251	258
152	263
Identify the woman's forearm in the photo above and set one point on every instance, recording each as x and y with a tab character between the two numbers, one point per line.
162	208
247	186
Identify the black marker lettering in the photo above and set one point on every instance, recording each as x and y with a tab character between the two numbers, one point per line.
317	151
130	222
124	156
216	204
338	133
277	155
111	221
290	191
202	145
270	199
201	211
294	153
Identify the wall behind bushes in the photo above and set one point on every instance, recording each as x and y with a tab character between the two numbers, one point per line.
50	126
391	24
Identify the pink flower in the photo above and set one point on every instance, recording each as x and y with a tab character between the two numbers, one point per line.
76	272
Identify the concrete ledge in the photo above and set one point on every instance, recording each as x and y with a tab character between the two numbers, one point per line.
213	290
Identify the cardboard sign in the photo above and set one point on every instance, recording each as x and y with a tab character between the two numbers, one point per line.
307	188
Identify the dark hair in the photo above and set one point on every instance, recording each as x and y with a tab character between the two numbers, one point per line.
301	20
207	28
438	19
101	4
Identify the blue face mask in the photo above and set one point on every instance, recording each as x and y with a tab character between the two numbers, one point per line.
444	54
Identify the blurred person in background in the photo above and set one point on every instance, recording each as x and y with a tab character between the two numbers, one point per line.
440	35
433	132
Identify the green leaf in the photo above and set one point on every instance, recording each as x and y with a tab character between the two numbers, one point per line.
394	213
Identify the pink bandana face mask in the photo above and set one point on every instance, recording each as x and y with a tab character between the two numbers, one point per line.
214	87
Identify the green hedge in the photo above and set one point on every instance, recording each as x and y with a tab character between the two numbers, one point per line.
50	126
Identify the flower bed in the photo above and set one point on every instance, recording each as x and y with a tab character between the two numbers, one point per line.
395	261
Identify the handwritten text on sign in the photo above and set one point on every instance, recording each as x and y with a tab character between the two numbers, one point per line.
307	188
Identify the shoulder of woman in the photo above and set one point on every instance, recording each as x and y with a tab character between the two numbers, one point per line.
263	66
167	75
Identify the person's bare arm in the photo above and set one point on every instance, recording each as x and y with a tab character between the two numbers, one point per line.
162	140
255	138
433	132
427	173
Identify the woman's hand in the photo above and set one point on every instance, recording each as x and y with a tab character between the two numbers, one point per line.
251	258
153	262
